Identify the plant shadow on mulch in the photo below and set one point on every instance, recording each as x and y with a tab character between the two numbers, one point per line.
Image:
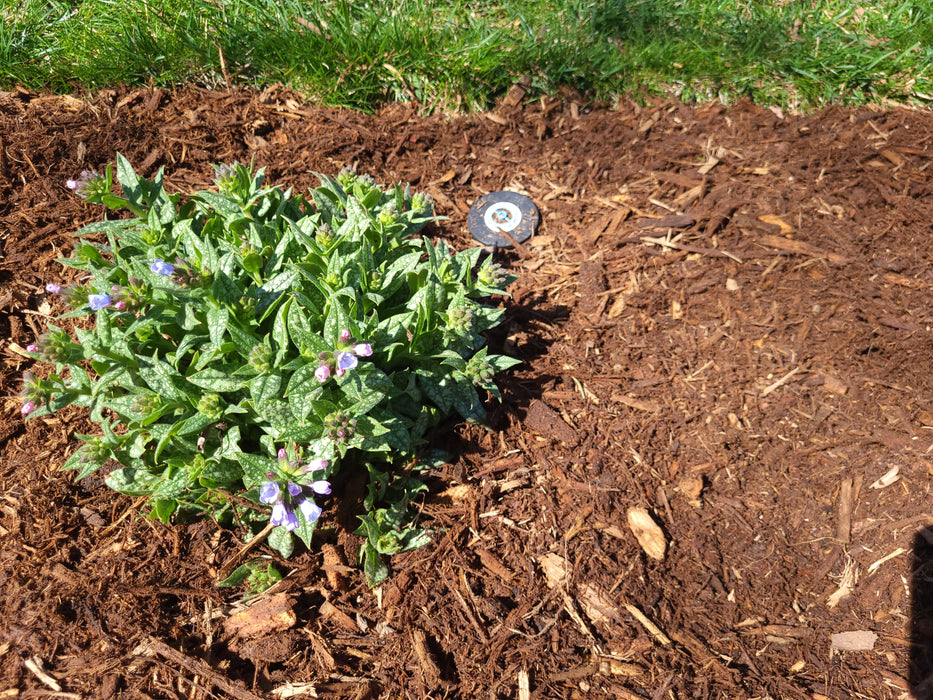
724	320
921	628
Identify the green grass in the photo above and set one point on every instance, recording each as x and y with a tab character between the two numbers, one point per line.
454	54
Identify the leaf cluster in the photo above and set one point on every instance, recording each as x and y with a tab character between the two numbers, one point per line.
214	316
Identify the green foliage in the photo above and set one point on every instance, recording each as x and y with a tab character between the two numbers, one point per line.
249	341
463	55
256	575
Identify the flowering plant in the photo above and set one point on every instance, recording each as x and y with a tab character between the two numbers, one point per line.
249	343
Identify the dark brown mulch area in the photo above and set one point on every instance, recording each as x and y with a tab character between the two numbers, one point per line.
725	319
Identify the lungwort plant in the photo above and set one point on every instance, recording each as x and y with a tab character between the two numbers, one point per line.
249	343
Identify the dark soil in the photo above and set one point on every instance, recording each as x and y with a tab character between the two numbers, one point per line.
724	319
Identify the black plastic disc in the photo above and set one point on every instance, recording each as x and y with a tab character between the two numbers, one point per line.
496	212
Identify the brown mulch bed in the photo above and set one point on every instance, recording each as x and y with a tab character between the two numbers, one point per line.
724	319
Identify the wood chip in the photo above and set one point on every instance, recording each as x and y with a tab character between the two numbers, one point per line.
894	157
295	690
675	221
516	93
429	668
338	617
794	246
690	487
34	664
711	163
542	419
834	385
877	565
632	402
524	685
596	603
334	566
493	564
207	674
890	477
860	640
777	221
649	535
780	382
846	584
844	522
648	624
272	614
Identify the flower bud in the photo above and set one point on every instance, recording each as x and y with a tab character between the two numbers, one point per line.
316	465
421	203
260	358
211	405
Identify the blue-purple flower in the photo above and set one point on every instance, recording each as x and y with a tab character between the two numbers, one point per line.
160	267
284	516
345	361
321	488
52	288
269	492
285	501
343	358
311	510
98	301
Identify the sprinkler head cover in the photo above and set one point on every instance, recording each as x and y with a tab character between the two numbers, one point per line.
498	212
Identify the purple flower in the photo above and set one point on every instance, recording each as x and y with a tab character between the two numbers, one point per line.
291	520
322	373
311	510
282	455
32	347
363	349
28	408
98	301
86	184
160	267
345	335
293	489
269	492
316	465
321	487
120	305
52	288
282	515
345	360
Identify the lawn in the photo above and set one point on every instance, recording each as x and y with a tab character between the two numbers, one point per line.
463	56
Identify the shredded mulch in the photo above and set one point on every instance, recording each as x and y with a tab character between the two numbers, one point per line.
709	478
